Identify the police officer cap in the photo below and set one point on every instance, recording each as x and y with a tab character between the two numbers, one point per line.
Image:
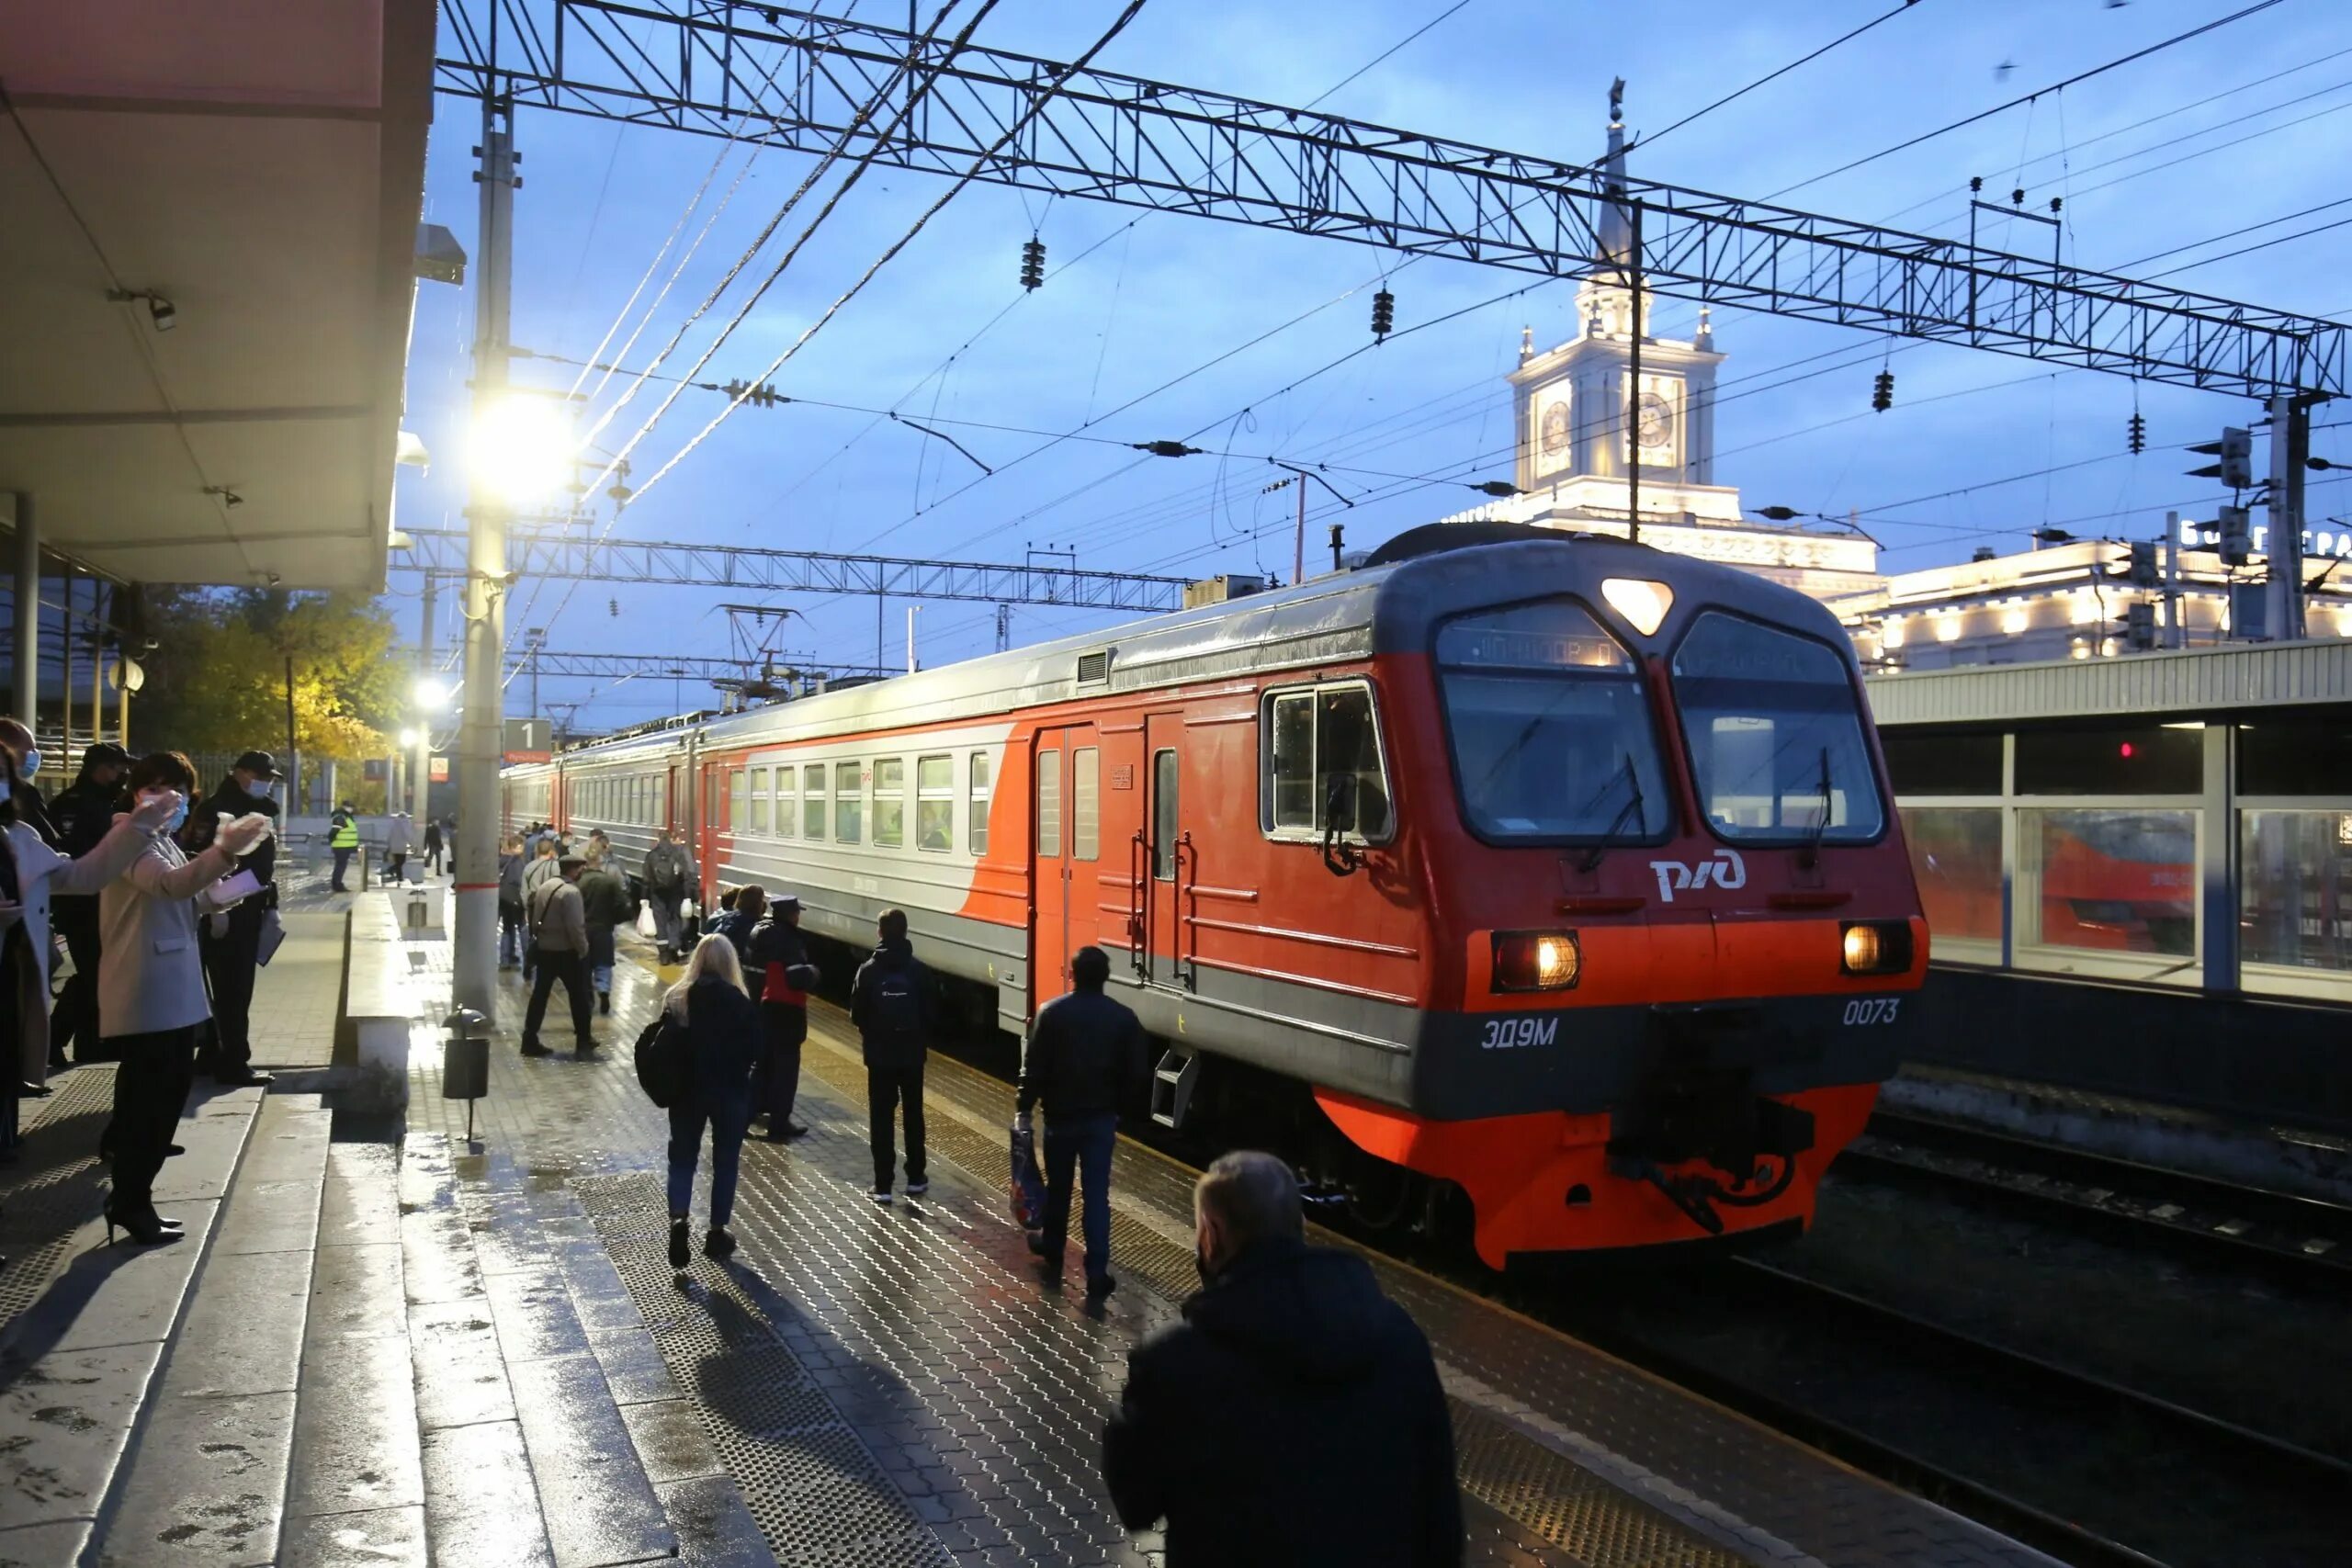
258	762
785	903
105	753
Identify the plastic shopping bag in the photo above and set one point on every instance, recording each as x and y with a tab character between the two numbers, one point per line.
1028	1182
646	926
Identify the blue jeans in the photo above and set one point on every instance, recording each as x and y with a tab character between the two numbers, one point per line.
728	1118
1081	1145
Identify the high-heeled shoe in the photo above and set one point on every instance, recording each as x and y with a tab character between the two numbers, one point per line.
144	1226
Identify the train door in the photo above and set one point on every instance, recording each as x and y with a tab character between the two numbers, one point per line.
1065	839
1164	852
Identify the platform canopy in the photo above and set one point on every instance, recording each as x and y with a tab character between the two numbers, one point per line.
208	230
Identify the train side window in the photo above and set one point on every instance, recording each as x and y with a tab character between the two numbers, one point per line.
976	831
1049	805
660	817
737	803
787	802
1086	804
849	802
759	823
935	804
890	802
812	801
1323	765
1163	816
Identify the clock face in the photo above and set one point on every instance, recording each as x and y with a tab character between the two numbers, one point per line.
1555	428
1656	420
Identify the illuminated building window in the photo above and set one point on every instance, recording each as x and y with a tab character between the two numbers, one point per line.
1890	636
2085	609
1948	628
2013	622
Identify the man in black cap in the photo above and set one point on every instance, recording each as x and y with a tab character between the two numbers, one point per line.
231	938
84	814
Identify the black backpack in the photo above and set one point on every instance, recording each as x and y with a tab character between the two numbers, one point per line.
897	1005
662	1061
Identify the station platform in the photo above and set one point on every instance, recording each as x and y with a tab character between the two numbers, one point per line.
389	1344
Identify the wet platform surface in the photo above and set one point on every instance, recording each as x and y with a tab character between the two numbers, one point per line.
406	1346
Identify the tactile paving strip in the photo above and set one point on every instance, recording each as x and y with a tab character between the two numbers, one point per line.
818	1494
55	1186
1553	1499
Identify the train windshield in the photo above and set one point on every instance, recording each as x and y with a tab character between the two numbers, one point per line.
1550	726
1777	747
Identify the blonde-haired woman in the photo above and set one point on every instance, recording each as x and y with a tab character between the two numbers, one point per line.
721	1030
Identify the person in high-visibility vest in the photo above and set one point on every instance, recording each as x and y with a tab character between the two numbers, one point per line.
344	842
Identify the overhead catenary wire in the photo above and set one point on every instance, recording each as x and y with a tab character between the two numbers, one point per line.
1739	93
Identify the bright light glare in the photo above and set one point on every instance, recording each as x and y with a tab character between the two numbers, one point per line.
429	694
1643	602
520	449
408	740
1555	961
1862	950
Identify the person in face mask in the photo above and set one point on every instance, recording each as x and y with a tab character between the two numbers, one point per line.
1295	1414
232	939
31	809
85	816
151	984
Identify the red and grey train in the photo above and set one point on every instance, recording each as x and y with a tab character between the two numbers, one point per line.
1550	871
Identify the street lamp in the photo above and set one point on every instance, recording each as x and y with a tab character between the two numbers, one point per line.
409	738
429	694
521	447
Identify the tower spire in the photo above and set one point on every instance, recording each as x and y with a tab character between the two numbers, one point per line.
1616	223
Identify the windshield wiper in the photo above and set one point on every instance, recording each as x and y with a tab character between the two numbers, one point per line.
1632	808
1820	822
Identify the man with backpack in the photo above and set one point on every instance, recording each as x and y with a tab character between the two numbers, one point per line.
603	900
1084	1058
668	871
886	1004
560	941
781	976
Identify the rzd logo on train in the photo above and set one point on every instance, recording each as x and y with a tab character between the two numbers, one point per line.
1726	870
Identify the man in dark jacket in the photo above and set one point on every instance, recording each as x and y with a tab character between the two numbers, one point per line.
83	814
668	871
603	903
560	941
781	976
342	838
739	919
1084	1058
231	940
1294	1417
886	1004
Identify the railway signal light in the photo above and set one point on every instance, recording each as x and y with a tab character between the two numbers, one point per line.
1883	391
1033	262
2143	573
2233	455
2136	434
1383	313
2237	534
2140	625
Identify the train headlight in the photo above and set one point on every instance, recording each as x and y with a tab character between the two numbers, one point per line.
1640	600
1536	961
1874	947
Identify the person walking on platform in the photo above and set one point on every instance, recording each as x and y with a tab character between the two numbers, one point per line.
737	920
669	871
721	1052
510	904
342	838
780	964
230	938
432	846
1084	1058
399	838
539	868
887	1004
1295	1415
150	985
560	938
603	902
83	815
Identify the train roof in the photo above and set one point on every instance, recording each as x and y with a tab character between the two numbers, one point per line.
1390	604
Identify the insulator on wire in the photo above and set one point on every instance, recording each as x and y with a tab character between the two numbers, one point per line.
1033	262
1383	313
1883	391
2136	434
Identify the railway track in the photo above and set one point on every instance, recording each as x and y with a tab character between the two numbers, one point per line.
2086	1470
2303	1242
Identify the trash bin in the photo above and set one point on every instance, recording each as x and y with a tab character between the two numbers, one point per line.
465	1060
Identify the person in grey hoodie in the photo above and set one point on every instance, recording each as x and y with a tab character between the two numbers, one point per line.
510	904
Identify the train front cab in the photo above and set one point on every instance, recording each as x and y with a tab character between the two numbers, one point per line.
1673	927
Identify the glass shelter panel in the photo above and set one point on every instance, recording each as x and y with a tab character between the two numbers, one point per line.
2295	902
2109	891
1956	861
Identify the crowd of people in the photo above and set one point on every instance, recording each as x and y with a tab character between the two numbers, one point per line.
1288	1362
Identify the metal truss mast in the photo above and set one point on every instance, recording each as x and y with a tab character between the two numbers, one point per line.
440	552
790	78
608	666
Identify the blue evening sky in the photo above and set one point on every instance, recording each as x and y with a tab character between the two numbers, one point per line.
1157	295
